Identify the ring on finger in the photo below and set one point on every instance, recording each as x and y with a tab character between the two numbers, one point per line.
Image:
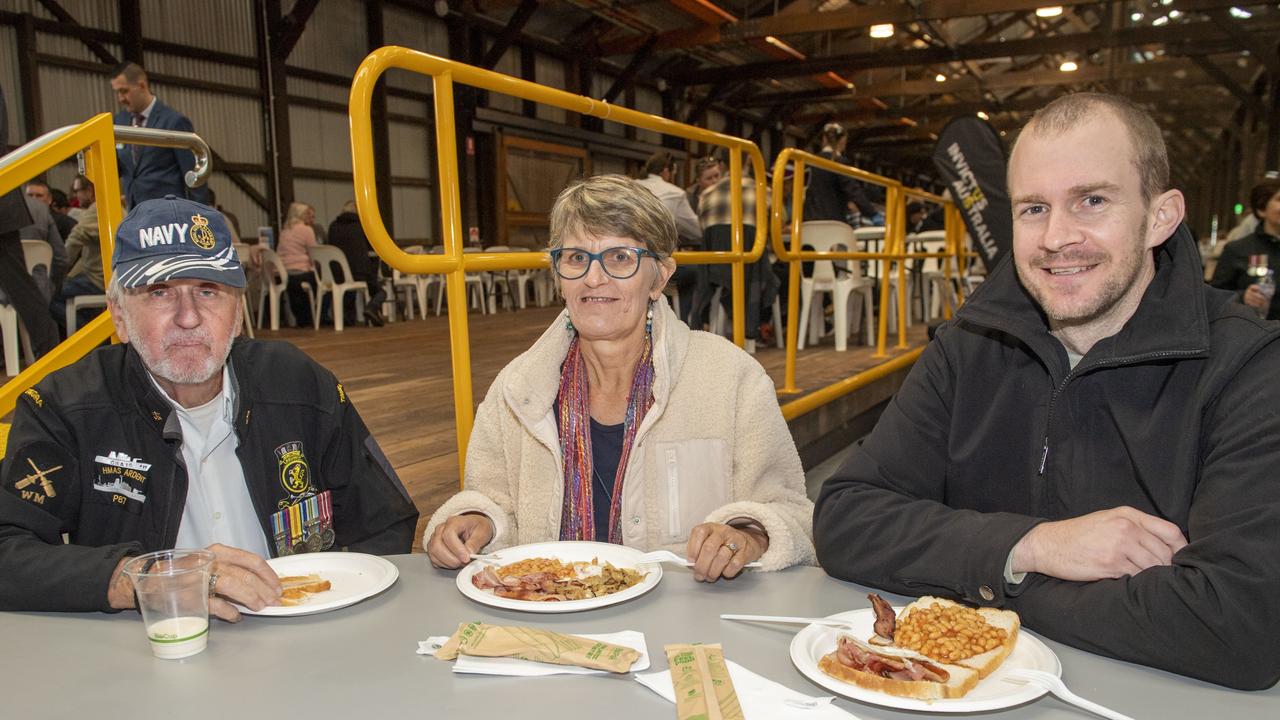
733	547
213	583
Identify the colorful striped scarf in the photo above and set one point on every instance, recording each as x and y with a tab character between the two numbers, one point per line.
577	519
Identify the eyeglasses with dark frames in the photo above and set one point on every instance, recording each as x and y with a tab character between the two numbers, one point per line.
619	263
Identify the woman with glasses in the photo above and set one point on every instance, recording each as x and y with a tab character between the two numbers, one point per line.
621	424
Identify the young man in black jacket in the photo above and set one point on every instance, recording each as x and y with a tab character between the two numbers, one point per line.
1092	442
185	436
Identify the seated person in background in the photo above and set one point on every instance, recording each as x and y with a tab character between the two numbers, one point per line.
39	190
621	424
1092	442
659	171
715	211
43	228
183	436
709	171
1231	271
84	252
346	234
296	240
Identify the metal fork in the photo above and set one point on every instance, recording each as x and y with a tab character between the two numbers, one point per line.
1054	684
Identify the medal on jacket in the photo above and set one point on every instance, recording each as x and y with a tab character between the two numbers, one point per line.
305	526
280	532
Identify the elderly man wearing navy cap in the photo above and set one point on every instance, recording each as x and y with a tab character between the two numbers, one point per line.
185	436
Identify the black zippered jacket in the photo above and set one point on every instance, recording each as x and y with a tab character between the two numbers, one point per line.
95	452
1177	415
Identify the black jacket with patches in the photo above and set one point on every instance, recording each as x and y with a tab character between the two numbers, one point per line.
102	421
993	433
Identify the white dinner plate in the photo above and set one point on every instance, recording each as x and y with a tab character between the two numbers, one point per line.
353	576
991	693
619	556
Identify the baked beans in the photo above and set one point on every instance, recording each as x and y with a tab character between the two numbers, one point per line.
947	633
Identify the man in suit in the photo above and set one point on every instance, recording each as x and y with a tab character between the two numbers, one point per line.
148	172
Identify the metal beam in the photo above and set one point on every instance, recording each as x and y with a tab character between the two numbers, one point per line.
1262	49
289	28
856	17
628	75
509	34
1029	78
67	18
1246	98
131	30
1084	43
29	80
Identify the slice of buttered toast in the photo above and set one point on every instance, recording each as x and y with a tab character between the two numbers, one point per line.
298	589
960	682
1007	620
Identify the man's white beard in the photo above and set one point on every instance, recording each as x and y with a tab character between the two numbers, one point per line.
170	369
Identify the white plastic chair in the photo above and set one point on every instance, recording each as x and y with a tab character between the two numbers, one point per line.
474	281
822	236
277	279
413	286
38	253
934	288
523	279
324	257
78	302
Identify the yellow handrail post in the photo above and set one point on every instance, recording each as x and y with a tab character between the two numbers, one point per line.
793	267
739	304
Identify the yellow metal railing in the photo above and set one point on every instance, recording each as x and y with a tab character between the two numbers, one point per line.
453	263
893	254
96	137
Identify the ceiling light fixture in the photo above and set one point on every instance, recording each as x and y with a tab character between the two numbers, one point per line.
1068	66
1048	12
1175	14
1162	20
983	115
1240	13
1136	17
940	77
881	31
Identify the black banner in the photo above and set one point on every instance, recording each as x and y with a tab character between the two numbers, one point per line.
972	161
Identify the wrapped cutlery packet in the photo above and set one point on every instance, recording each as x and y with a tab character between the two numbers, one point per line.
702	685
537	645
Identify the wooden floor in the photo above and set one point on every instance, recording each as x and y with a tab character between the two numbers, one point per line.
399	378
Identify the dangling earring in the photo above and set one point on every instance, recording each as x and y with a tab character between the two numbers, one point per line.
648	322
568	323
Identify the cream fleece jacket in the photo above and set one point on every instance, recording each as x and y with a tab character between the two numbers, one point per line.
714	447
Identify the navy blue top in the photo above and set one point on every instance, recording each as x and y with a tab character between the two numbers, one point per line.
606	451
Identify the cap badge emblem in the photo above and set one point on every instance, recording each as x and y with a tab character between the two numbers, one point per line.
201	233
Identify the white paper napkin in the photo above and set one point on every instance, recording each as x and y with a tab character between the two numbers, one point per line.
760	697
527	668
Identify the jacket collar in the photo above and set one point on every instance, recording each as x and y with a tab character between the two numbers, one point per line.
535	374
1171	319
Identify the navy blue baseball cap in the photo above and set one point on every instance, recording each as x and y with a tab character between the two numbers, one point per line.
173	238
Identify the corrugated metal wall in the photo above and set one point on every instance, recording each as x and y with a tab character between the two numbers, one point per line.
222	25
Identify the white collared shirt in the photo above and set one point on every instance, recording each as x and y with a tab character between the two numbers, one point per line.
146	114
218	507
677	202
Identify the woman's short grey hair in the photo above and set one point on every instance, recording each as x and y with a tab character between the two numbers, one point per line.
613	205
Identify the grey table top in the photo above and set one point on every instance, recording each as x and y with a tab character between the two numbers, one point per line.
360	662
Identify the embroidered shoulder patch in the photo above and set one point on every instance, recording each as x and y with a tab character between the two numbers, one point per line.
35	396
